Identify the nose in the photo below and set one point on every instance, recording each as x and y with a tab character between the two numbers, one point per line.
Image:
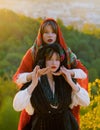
49	34
53	62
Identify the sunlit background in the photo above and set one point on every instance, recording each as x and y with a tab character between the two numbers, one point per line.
19	23
75	12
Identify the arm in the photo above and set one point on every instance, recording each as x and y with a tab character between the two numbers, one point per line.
24	78
27	77
20	104
76	63
82	82
77	73
79	94
22	98
80	98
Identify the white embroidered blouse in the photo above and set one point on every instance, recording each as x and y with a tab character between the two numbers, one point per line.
22	98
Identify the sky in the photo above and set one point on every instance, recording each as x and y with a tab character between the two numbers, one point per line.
68	10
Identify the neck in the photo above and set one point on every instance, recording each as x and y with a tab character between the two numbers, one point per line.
50	76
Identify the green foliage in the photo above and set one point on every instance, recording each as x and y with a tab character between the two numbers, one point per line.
7	88
90	115
8	117
91	29
86	47
93	73
17	34
16	38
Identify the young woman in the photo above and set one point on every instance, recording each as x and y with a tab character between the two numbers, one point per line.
49	97
49	33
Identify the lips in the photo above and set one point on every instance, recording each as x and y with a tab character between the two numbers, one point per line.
50	40
53	67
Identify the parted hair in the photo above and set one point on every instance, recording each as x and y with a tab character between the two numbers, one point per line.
48	51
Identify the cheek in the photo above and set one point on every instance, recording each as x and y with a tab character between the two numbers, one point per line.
48	63
55	36
44	37
58	64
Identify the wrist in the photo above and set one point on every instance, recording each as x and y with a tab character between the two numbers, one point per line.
30	89
72	73
29	77
74	86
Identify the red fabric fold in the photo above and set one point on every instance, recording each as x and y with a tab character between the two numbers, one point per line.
27	64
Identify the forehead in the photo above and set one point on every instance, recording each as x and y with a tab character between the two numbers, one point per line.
54	55
49	24
48	27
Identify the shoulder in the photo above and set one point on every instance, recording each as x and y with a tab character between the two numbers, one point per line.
28	52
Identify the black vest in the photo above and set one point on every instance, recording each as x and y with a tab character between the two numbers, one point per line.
46	117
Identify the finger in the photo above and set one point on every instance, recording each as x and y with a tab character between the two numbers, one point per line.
37	67
44	71
62	70
35	72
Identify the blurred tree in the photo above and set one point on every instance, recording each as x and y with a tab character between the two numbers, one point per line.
8	117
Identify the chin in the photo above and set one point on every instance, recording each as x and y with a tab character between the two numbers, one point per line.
53	71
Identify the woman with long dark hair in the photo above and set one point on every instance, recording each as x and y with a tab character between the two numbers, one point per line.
49	97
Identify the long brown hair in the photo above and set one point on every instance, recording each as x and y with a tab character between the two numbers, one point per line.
51	23
60	40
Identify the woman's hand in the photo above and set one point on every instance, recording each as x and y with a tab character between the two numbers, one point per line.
35	76
64	70
36	73
68	77
41	72
67	74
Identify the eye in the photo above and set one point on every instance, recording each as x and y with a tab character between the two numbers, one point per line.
45	32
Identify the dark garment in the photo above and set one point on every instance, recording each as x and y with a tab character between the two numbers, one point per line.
47	118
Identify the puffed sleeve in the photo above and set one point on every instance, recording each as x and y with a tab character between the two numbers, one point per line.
79	74
22	78
22	101
80	98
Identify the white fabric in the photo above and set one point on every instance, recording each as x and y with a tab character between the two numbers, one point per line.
22	100
22	78
29	109
79	74
80	98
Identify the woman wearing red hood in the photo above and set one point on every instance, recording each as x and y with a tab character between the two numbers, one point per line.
49	33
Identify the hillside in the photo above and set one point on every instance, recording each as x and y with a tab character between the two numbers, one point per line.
18	32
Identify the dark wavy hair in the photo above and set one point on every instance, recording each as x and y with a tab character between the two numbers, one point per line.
48	51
